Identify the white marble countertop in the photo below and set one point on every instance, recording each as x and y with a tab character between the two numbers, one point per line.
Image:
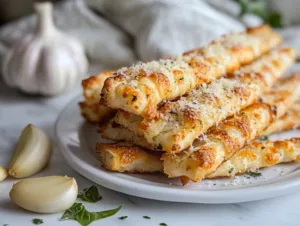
17	110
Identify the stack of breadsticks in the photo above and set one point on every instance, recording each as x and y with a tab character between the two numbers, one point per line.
197	115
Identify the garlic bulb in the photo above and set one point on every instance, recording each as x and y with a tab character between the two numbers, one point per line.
45	194
32	153
3	173
46	62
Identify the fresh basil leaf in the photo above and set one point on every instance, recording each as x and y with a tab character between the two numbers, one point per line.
72	212
84	217
90	194
37	221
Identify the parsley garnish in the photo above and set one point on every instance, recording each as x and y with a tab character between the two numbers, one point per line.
146	217
230	171
5	224
264	138
90	194
254	174
123	217
82	216
163	224
37	221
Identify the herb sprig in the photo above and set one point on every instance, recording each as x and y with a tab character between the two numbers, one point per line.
84	217
260	9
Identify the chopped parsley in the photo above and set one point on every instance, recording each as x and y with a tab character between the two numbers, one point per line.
134	98
37	221
163	224
230	171
146	217
123	217
263	147
254	174
264	138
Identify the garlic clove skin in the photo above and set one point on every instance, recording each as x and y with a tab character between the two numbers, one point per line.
3	173
45	194
46	62
32	153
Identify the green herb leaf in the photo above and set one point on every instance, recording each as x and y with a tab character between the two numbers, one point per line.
90	194
254	174
123	217
275	20
81	215
260	9
263	138
146	217
37	221
231	169
72	212
163	224
5	224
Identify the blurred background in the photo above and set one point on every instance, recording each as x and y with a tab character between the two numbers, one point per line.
116	33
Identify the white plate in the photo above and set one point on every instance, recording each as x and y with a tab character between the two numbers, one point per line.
77	141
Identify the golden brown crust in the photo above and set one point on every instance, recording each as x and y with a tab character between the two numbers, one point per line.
114	131
90	108
181	121
288	121
291	120
259	155
150	83
203	159
125	157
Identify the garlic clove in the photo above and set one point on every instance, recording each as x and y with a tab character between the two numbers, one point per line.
32	153
50	194
3	173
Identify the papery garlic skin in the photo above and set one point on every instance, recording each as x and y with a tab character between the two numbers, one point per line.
45	194
47	62
32	153
3	173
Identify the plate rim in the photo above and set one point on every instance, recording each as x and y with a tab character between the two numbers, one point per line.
173	194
